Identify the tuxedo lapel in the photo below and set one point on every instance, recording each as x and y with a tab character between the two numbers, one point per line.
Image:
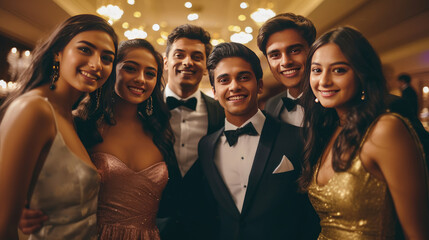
216	114
218	186
279	106
266	143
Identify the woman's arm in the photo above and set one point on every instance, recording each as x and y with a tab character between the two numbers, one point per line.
27	128
399	159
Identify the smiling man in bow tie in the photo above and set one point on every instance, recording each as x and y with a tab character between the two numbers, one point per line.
193	115
251	164
285	40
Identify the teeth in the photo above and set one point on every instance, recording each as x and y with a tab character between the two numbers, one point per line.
327	93
136	89
186	72
89	75
236	98
290	71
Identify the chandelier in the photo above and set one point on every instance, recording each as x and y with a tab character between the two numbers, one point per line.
110	11
261	15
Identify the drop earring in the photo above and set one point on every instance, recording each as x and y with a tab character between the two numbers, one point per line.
316	100
98	96
362	97
149	106
55	75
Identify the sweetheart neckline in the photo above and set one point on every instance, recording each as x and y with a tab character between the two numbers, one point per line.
122	163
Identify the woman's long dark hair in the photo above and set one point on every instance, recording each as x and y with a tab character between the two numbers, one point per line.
40	70
320	123
157	124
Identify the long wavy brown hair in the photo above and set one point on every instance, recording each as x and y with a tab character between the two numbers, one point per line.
157	124
320	123
40	70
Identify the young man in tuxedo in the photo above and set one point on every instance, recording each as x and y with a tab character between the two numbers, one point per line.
252	163
193	115
285	40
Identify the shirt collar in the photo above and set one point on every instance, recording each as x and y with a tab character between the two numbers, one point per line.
169	93
257	120
290	96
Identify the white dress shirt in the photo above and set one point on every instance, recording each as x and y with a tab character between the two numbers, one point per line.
235	163
295	116
188	128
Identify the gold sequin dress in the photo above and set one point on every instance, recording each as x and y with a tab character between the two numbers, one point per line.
354	204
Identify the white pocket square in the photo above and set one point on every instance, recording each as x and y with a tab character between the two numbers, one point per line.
284	166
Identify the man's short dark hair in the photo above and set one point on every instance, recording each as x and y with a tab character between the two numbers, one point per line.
232	49
191	32
284	21
404	77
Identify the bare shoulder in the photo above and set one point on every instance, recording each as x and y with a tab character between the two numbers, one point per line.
390	138
28	110
388	129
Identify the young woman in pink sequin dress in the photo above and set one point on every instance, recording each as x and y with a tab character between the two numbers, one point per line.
132	146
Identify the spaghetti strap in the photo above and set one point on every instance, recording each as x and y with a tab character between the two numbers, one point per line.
50	105
65	189
53	111
407	124
31	187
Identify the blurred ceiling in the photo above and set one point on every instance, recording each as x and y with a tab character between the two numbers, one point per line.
398	29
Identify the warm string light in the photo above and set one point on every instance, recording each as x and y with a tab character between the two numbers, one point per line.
160	41
155	27
242	17
193	16
18	62
7	87
244	5
188	4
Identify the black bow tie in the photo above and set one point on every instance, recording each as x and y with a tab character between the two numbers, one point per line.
290	103
232	135
172	103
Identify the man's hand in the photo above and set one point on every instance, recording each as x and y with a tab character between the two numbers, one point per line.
31	220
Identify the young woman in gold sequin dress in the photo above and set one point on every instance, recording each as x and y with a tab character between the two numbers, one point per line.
364	168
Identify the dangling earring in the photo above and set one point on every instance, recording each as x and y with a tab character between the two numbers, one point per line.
149	106
55	75
98	96
316	100
362	97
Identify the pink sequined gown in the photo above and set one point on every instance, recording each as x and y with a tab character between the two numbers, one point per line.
128	200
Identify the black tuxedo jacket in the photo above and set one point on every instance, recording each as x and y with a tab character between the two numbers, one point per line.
274	105
272	207
410	96
183	204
